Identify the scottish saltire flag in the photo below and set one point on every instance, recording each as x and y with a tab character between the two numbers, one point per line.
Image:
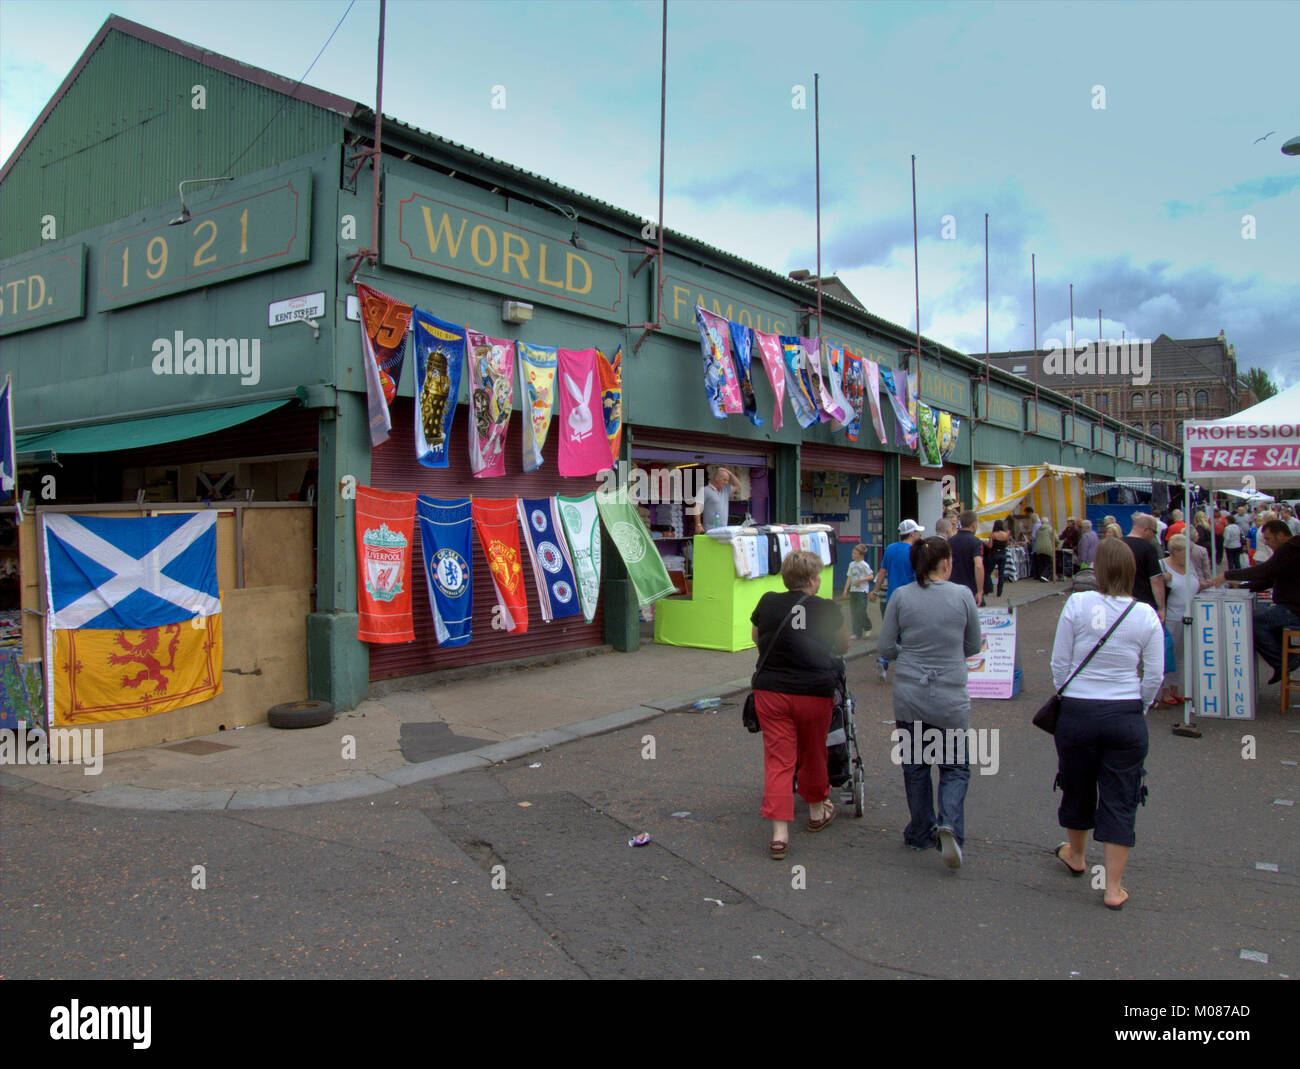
8	454
116	574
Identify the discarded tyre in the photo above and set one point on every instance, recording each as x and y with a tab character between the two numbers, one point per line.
300	714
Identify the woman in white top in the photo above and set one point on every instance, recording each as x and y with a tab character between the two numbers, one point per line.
1101	736
1177	606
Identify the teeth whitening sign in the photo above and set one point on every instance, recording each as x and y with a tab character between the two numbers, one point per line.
1223	655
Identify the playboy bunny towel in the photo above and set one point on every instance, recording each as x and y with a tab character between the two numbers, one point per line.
584	446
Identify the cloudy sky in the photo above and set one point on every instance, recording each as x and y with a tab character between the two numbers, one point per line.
1146	204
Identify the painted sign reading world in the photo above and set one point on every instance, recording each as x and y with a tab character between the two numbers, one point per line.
42	287
428	231
241	230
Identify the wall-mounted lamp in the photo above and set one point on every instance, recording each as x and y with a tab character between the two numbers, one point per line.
184	217
516	311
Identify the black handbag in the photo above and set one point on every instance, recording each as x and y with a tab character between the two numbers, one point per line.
1050	711
749	714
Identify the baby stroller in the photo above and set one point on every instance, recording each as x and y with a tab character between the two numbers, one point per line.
843	759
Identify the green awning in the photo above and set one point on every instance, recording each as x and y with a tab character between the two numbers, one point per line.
137	433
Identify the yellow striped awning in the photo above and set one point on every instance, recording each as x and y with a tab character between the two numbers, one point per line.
1054	492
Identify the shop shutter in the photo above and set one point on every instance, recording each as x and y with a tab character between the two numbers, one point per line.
393	467
815	456
290	429
695	441
912	468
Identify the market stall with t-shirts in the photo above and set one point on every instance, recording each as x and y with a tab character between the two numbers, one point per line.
1260	445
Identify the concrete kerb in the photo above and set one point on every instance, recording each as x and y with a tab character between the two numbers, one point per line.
130	797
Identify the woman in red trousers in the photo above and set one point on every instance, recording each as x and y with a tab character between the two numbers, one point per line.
799	637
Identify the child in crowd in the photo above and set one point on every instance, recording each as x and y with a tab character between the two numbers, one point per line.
857	585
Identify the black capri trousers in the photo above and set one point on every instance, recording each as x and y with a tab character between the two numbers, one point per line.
1101	746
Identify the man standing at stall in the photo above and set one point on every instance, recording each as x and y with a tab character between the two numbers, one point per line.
715	501
1281	574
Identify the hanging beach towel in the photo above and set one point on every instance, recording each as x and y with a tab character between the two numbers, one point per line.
871	387
439	353
628	533
549	553
445	546
385	526
832	382
742	343
384	325
497	522
801	395
581	525
537	365
611	398
584	446
769	346
896	388
491	396
720	385
854	390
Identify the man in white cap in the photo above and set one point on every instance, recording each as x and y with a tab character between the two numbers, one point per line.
896	571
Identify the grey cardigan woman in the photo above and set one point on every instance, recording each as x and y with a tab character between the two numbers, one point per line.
930	628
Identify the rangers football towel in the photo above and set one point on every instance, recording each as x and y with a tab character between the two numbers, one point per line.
384	325
720	385
439	352
611	397
537	364
445	546
581	525
769	347
491	396
552	569
385	528
742	344
584	446
628	533
497	522
801	395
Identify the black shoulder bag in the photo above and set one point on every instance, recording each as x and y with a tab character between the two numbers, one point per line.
749	714
1050	711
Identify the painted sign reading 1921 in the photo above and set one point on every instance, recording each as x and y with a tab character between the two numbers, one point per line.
240	232
42	287
434	233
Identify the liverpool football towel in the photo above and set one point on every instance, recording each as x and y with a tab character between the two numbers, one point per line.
552	568
439	353
385	529
497	523
445	546
584	446
582	530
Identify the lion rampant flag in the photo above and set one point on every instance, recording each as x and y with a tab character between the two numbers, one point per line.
118	675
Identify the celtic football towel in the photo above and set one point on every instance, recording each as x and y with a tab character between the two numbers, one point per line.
491	396
552	568
497	522
537	366
445	546
582	529
628	533
439	353
801	395
384	325
385	527
720	385
769	346
742	344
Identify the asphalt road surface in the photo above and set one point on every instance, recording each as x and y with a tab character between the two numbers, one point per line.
526	872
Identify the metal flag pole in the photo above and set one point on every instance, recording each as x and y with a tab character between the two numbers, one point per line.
1033	282
916	270
1074	398
986	311
817	168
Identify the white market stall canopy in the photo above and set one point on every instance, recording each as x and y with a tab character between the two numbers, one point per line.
1053	491
1258	496
1261	444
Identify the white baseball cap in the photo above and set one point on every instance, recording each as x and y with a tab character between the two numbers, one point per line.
908	526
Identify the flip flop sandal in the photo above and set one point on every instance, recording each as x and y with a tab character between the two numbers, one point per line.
1073	871
777	850
829	811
